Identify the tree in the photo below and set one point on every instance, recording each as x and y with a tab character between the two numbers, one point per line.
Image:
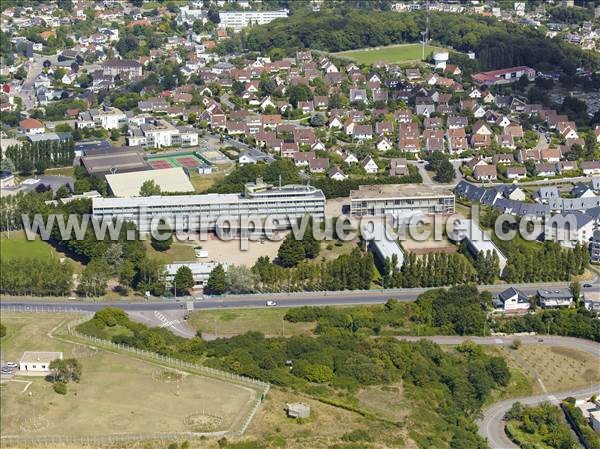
184	279
162	238
317	120
290	252
27	167
240	279
65	370
575	288
445	172
149	188
94	278
216	281
298	93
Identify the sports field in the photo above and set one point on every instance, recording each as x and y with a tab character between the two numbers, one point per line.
117	393
391	54
186	160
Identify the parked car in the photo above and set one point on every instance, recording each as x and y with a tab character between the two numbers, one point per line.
11	364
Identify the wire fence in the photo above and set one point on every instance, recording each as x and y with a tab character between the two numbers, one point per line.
238	429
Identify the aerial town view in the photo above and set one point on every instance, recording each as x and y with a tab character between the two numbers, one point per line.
300	224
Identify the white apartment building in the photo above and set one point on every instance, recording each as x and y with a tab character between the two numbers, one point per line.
160	133
107	117
189	15
400	199
237	20
207	212
569	228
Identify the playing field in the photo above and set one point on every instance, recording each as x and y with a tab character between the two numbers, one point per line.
391	54
15	244
186	160
116	394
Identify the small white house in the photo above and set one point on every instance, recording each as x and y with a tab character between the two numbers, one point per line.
369	165
36	363
512	299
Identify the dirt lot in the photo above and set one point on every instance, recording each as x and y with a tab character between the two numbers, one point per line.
560	368
116	394
232	252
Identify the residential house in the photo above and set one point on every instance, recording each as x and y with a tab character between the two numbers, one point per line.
383	144
318	165
512	299
336	174
362	132
485	173
545	169
31	126
369	165
434	140
590	167
516	172
559	297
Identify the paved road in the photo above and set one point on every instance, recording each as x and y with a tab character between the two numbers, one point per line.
282	299
170	319
491	426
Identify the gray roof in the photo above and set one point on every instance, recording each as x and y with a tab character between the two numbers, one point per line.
558	293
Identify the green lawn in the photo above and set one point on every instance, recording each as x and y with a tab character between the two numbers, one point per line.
15	244
179	252
227	323
392	53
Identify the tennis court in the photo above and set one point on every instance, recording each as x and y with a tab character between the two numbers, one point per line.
185	160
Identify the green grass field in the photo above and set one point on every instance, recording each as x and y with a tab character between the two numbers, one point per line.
116	394
391	54
17	245
227	323
179	252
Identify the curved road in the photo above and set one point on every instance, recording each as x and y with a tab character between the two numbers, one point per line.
491	426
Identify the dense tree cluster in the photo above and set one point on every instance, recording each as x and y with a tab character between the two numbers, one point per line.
292	250
352	271
539	426
498	44
546	262
566	322
430	270
39	156
25	276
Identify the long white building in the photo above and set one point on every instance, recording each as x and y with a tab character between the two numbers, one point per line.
281	205
400	199
477	240
241	19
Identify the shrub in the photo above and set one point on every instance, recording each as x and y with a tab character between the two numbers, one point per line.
357	435
60	388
